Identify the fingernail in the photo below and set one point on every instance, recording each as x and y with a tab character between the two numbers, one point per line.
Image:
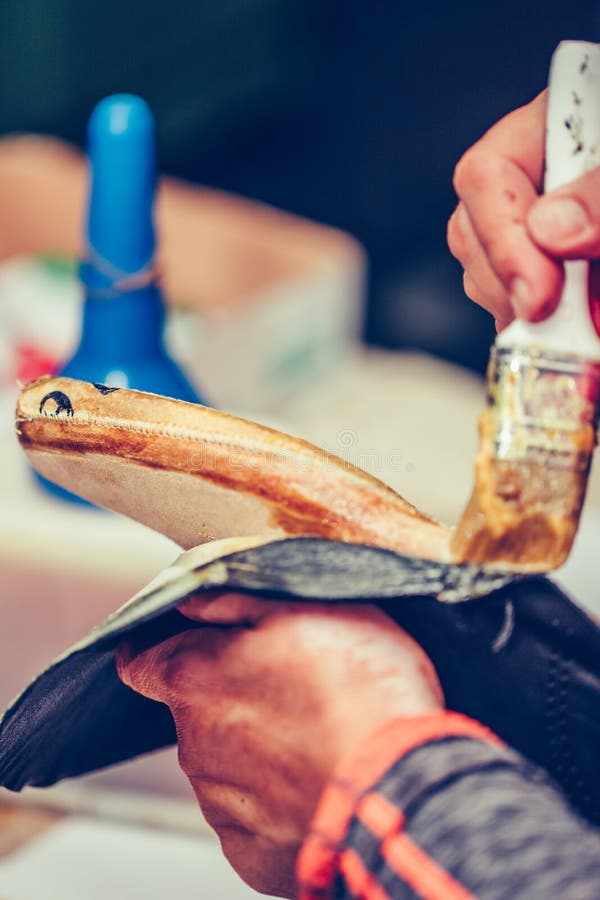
557	219
501	324
520	298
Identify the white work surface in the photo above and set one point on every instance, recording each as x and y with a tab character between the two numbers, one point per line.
87	859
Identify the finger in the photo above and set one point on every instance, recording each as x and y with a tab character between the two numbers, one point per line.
481	283
498	187
519	137
138	668
229	608
474	293
173	668
501	324
566	222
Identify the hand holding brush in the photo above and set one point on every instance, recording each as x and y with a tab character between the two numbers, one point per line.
538	429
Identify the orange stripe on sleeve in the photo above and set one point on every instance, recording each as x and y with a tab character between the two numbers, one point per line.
422	873
412	864
358	878
379	815
319	856
374	756
335	815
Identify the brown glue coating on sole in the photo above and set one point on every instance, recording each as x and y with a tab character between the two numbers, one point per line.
165	462
521	514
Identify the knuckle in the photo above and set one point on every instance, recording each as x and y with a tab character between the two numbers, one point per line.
456	236
180	669
136	670
126	668
487	299
189	758
472	169
165	671
471	289
501	253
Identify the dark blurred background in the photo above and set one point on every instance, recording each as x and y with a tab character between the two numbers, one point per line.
352	113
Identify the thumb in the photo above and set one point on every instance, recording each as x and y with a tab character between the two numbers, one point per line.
566	222
229	608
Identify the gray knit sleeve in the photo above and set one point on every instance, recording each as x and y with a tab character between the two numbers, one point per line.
475	820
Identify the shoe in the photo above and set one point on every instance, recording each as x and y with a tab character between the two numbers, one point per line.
510	649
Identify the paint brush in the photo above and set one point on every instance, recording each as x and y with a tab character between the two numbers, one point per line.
538	430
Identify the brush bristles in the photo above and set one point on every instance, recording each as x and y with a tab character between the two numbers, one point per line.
537	436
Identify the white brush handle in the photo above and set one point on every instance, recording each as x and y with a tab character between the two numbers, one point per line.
572	148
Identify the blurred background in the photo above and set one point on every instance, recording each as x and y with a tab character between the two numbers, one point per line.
309	286
350	113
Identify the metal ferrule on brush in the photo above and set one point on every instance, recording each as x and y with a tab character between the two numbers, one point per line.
542	405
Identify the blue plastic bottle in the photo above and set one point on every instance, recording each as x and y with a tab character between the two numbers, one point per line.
123	316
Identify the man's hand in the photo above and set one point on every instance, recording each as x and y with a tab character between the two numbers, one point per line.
510	241
267	703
